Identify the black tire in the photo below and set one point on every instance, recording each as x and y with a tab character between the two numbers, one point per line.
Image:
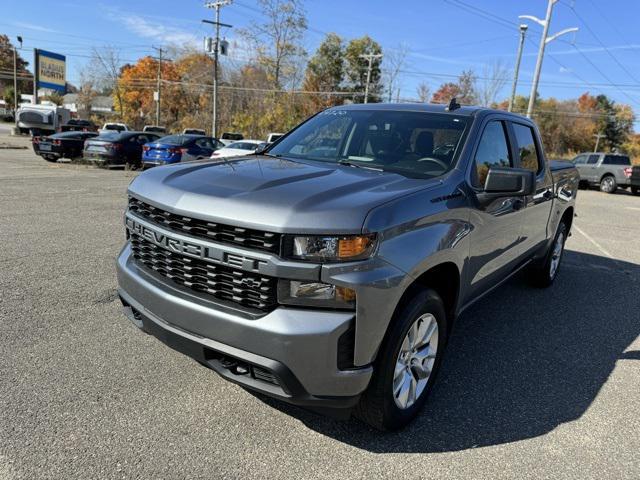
541	275
608	184
635	190
377	405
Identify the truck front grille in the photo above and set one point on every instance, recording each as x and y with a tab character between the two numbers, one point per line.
217	232
222	282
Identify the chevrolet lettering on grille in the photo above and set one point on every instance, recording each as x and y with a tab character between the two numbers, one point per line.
196	250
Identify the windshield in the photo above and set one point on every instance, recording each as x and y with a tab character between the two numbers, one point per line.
414	144
176	139
243	146
67	135
109	135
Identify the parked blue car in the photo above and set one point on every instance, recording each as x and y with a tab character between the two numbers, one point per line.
178	148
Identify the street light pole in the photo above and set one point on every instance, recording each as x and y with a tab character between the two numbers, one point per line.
543	42
15	75
217	5
523	32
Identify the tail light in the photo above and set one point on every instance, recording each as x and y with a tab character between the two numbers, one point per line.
146	148
627	172
36	139
178	150
113	146
57	142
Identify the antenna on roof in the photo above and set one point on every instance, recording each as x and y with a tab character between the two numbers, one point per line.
453	105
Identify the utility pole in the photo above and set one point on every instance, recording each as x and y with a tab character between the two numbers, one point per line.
370	57
15	75
598	137
158	84
216	49
523	32
543	42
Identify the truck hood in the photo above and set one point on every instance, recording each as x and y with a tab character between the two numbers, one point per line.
276	194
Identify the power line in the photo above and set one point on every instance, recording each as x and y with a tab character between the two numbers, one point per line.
604	75
506	23
593	34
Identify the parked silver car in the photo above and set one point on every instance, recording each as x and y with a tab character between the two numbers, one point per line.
608	171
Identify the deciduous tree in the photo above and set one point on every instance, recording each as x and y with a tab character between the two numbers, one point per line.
278	38
356	68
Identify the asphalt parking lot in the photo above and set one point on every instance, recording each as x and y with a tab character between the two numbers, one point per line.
536	383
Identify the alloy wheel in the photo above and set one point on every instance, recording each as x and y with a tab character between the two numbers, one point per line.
556	255
415	361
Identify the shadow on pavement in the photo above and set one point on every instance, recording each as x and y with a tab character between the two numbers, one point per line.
519	363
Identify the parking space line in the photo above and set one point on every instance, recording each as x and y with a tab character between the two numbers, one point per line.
596	244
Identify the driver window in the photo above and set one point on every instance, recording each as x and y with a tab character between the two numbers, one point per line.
493	151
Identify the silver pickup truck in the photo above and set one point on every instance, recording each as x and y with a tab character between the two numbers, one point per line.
329	269
608	171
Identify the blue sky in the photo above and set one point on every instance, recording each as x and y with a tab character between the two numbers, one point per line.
443	36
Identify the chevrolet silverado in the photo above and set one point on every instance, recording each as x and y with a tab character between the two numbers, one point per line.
328	269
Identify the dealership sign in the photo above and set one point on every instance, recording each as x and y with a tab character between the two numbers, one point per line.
50	70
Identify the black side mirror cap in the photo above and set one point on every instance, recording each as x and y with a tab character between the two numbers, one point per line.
503	181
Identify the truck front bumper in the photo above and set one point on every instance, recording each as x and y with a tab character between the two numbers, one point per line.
289	353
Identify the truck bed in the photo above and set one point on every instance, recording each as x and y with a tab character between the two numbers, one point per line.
555	165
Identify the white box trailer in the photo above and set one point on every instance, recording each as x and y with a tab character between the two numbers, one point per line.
41	119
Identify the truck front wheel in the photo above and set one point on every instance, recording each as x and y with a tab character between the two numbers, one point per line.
407	363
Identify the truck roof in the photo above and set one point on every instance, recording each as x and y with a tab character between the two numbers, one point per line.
466	110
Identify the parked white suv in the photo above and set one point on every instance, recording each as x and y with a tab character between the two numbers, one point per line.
119	127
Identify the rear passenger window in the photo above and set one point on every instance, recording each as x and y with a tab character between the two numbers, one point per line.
493	151
593	159
527	150
616	160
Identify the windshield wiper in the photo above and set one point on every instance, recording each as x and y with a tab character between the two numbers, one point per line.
347	163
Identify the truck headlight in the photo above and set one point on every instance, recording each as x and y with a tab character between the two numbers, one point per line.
319	248
315	294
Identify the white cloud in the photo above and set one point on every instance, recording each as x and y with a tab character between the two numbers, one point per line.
154	30
158	31
32	26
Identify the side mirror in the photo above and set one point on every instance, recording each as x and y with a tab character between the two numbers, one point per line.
503	182
261	148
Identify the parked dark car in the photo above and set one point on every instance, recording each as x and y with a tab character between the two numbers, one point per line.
116	149
193	131
78	125
178	148
635	180
59	145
